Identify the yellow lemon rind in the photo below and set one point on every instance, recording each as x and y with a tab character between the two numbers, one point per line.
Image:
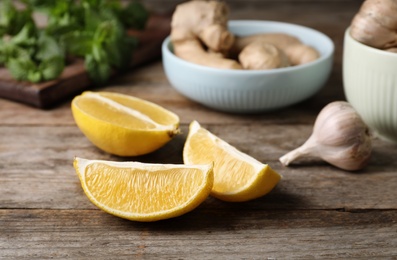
262	184
123	140
263	181
194	201
119	140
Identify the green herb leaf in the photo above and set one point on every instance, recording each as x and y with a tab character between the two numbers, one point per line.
98	71
92	29
134	16
77	43
11	19
22	69
52	67
48	47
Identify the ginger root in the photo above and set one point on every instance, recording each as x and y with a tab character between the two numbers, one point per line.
193	51
200	25
375	24
262	56
199	34
297	52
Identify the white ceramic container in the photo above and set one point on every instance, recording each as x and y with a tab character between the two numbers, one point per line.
252	91
370	85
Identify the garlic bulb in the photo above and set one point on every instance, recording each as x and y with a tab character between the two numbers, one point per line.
375	24
340	137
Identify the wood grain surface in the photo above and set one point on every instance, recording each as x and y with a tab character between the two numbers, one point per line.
316	212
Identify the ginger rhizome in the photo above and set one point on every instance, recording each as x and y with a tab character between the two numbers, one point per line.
261	56
198	30
199	34
296	52
375	24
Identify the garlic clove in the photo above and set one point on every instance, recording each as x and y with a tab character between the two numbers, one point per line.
307	149
340	137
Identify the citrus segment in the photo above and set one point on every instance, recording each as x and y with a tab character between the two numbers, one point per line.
123	125
144	192
237	176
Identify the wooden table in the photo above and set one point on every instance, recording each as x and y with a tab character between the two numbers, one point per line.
316	211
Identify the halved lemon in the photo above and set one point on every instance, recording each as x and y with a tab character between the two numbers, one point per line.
123	125
237	176
144	192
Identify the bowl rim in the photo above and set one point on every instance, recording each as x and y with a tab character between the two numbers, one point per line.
367	47
166	50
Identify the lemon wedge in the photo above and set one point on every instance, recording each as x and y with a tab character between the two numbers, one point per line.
123	125
144	192
237	176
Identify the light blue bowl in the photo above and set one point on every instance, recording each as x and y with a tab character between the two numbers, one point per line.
252	91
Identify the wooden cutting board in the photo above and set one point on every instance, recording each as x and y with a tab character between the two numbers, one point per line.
74	78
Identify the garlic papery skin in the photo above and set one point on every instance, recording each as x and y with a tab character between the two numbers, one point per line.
340	137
